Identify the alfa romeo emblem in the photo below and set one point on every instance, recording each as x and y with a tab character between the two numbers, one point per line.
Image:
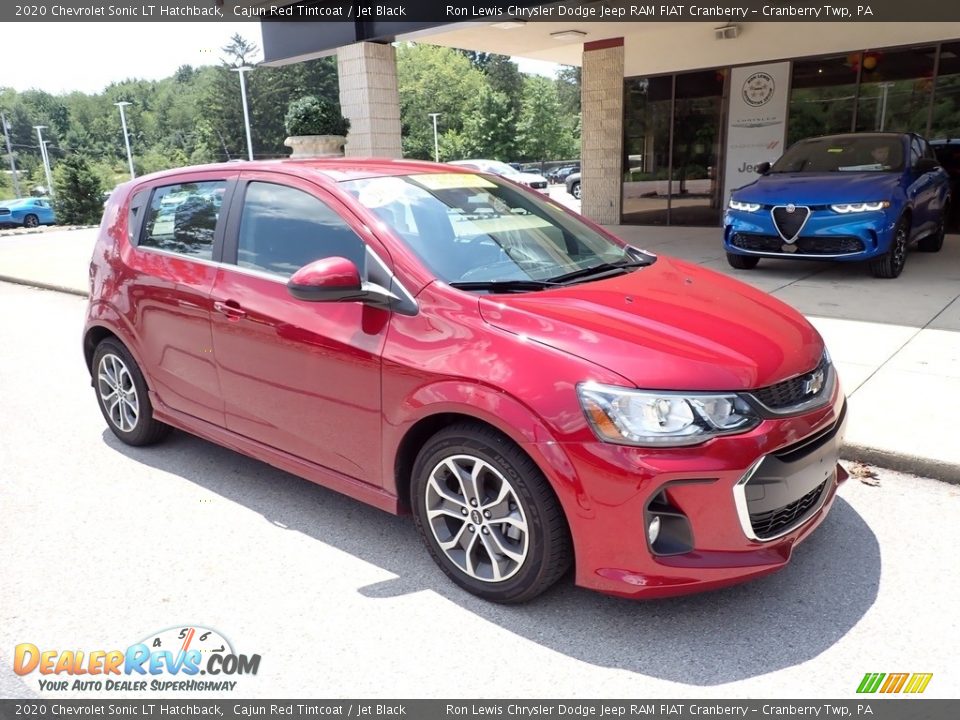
791	208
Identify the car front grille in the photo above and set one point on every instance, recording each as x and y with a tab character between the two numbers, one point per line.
769	524
840	245
757	243
826	246
789	219
796	390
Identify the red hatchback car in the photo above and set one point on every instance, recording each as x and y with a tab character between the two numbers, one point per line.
428	339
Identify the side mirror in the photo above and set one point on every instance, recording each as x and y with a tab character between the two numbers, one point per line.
925	165
328	280
337	279
763	168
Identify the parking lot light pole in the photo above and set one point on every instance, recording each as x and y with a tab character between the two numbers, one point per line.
13	163
46	158
436	144
126	137
246	113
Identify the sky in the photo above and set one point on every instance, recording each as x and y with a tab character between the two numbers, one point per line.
64	57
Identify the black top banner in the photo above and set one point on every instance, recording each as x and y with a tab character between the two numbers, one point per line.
490	11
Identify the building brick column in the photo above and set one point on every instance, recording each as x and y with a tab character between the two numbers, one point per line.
370	100
601	137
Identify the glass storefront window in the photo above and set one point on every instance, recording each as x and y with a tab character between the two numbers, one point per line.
945	122
698	119
646	187
823	93
895	89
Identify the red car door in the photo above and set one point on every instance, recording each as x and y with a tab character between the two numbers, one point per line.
302	377
172	263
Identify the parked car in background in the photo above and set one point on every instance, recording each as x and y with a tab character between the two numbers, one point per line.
536	392
559	175
948	154
573	184
27	212
531	180
854	197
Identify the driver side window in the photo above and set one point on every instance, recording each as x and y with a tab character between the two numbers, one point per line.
283	228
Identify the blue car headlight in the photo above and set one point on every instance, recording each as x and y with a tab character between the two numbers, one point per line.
744	206
846	208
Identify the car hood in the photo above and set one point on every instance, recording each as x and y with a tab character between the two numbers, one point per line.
819	188
669	326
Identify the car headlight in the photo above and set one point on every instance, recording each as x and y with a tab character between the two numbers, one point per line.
745	206
639	417
845	208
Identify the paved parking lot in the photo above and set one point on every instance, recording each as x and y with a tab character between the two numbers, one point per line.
104	544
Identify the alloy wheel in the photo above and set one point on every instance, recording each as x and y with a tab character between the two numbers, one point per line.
899	249
118	393
476	518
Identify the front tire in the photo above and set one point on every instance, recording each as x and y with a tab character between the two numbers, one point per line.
934	243
890	264
742	262
122	396
575	190
31	221
488	516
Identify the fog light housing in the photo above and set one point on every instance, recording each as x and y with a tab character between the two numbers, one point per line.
653	530
668	529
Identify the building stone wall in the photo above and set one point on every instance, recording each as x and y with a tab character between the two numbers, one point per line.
370	100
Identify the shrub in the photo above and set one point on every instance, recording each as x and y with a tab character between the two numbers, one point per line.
79	196
311	115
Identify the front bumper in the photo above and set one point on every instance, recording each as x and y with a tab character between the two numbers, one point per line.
826	235
749	500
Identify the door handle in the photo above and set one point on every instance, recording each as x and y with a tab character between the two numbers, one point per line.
230	308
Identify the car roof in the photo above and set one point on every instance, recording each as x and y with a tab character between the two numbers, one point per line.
337	169
838	136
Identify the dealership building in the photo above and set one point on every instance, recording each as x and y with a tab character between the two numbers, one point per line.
674	114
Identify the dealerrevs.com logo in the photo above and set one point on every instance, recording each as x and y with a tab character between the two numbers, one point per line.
170	660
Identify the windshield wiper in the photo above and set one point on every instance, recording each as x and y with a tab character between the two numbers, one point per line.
504	285
601	270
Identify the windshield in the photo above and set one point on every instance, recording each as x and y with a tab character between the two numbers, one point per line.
501	168
469	228
852	153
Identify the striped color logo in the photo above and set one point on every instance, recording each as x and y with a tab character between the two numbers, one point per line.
912	683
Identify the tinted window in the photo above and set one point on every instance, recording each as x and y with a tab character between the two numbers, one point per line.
282	229
843	153
182	218
916	152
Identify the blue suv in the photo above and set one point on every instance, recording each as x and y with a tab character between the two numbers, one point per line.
855	197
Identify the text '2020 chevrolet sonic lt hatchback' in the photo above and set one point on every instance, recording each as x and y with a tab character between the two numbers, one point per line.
534	391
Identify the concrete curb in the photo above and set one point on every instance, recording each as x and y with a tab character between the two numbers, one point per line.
851	452
44	286
901	462
17	232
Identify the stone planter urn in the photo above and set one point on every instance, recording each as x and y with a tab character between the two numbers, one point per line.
315	146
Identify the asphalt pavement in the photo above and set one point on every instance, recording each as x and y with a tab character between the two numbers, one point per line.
104	545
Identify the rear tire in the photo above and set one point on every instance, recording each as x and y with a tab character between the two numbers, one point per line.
31	221
934	243
742	262
123	397
575	190
488	516
890	265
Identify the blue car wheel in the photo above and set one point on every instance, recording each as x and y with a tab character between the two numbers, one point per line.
890	264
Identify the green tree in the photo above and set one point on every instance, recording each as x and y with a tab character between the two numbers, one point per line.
545	133
490	131
435	79
78	192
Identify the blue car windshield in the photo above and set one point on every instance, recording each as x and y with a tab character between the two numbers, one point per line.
854	153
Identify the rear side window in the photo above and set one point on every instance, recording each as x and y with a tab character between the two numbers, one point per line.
183	218
282	229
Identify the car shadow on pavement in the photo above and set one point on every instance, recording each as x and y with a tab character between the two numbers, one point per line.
741	632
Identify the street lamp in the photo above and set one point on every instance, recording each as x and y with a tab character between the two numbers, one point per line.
46	158
126	137
246	113
436	144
